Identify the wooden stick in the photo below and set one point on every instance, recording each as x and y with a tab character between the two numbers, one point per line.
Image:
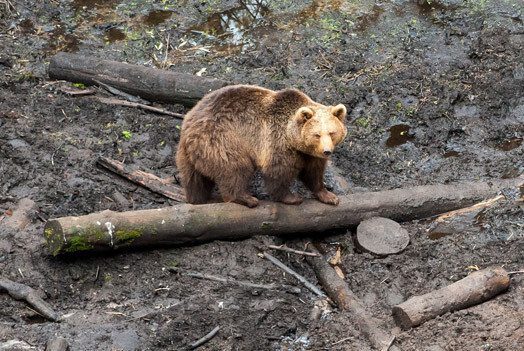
288	249
144	179
475	288
345	299
289	271
149	83
204	339
120	93
23	292
191	224
199	275
475	207
138	105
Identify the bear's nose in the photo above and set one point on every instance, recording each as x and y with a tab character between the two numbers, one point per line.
327	152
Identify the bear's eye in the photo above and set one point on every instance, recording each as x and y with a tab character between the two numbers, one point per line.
331	134
317	136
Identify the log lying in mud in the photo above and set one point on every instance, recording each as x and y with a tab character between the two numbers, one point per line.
148	83
475	288
345	299
191	224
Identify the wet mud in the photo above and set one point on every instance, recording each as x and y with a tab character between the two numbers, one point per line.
434	91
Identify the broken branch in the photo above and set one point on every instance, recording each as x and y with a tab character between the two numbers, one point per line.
138	105
23	292
345	299
147	180
291	272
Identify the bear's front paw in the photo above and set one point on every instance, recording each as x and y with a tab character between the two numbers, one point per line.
292	199
327	197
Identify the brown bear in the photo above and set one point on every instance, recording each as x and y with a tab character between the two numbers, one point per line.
238	129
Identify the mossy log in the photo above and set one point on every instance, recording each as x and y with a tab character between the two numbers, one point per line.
147	82
191	224
475	288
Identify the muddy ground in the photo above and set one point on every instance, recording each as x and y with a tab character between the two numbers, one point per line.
436	94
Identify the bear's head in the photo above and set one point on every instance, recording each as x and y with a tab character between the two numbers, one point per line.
321	128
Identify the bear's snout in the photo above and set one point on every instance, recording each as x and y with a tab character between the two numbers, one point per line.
327	151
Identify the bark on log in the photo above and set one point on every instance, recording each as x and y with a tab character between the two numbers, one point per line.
146	82
345	299
191	224
475	288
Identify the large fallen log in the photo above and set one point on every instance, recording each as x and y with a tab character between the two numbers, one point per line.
147	82
475	288
192	224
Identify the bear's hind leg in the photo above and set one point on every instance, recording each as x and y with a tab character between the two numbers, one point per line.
197	187
233	187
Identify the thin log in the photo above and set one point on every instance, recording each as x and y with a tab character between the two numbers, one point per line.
339	292
288	249
147	180
289	288
475	288
191	224
23	292
205	338
149	83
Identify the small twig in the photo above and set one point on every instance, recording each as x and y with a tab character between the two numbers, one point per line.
388	346
142	106
120	93
77	92
204	339
232	281
516	272
54	152
23	292
97	272
288	249
300	278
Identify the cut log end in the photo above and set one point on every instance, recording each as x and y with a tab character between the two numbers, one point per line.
381	236
475	288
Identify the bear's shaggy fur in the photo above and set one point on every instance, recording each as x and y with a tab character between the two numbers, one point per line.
238	129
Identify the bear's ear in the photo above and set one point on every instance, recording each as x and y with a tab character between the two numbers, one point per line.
339	111
304	114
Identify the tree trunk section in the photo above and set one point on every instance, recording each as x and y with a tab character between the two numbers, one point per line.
147	82
337	289
475	288
192	224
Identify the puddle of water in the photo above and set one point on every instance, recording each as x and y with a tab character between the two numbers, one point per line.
94	4
232	31
469	221
27	27
369	19
510	144
115	34
399	135
451	154
156	17
427	7
512	173
60	40
316	8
